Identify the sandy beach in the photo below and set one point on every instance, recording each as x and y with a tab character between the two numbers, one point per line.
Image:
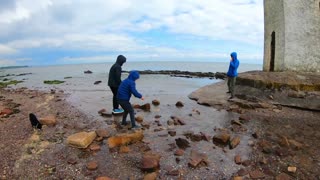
267	140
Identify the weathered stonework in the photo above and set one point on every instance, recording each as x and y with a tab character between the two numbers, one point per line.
293	28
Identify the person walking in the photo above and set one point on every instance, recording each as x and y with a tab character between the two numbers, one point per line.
232	73
126	89
114	81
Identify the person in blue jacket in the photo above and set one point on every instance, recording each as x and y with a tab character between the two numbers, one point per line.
232	73
126	89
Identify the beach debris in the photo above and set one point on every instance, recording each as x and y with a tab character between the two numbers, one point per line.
34	121
197	159
234	142
179	104
125	139
53	82
97	82
150	161
93	165
81	139
182	143
179	152
49	120
221	138
88	72
103	133
256	174
150	176
139	119
156	102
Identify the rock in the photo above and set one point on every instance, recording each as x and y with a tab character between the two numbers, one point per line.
197	158
103	178
292	169
93	165
139	119
48	120
196	137
94	147
88	72
6	112
237	178
106	114
124	149
182	143
81	139
256	174
221	138
102	111
172	133
237	159
72	161
157	116
284	141
124	139
295	144
244	118
170	122
246	163
242	172
179	152
266	146
173	173
145	107
145	125
283	176
156	102
150	162
205	136
255	135
103	133
234	142
181	122
97	82
150	176
294	94
179	104
236	122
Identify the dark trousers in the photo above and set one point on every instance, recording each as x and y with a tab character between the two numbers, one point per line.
114	99
127	107
231	84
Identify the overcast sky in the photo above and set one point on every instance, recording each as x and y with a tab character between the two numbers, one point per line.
44	32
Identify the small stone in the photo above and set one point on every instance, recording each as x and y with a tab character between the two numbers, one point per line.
179	104
197	158
170	122
97	82
179	152
94	147
6	111
237	178
244	117
283	176
234	142
48	120
172	133
145	107
177	160
181	122
93	165
103	178
150	162
157	116
237	159
236	122
256	174
255	135
242	172
103	133
295	144
150	176
246	163
125	138
82	139
102	111
139	119
156	102
292	169
124	149
173	173
205	136
182	143
145	125
221	138
72	161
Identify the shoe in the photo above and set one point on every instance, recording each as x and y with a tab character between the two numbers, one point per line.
117	111
228	92
136	127
124	124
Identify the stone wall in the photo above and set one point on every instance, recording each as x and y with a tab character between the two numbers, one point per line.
296	24
274	21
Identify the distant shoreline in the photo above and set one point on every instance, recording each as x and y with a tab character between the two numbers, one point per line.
13	67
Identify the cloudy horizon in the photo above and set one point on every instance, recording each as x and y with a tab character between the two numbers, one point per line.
47	32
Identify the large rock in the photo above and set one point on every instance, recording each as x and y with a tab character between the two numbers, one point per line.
221	138
150	161
124	139
48	120
81	139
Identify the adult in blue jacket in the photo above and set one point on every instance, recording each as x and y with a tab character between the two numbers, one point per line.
126	89
232	73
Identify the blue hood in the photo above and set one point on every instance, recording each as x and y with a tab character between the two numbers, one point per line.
234	55
134	75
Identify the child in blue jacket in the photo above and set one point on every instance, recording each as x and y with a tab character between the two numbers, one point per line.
126	89
232	73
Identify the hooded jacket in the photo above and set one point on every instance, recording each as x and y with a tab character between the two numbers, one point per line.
115	72
128	87
233	67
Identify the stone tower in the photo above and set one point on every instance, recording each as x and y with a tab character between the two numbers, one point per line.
292	35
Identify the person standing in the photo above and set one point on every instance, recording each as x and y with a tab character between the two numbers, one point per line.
114	81
232	73
126	89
